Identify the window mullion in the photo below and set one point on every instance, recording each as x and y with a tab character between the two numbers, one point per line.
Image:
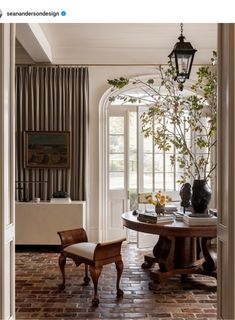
164	163
153	161
140	155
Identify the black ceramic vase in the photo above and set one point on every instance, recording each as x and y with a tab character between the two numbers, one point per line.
201	196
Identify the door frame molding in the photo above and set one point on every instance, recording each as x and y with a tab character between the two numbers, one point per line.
7	171
103	172
226	171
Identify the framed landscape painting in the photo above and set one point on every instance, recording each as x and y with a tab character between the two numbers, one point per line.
46	149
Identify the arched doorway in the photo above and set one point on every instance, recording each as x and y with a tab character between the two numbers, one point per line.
130	163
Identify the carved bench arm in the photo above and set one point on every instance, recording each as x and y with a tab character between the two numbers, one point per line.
108	249
70	237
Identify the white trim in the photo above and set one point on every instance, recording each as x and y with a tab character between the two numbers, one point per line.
103	173
9	233
34	41
7	165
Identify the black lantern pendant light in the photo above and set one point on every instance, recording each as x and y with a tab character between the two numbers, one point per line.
182	57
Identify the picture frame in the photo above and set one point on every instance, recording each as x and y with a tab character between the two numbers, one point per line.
46	149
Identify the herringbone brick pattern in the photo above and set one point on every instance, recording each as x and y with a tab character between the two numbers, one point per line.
38	297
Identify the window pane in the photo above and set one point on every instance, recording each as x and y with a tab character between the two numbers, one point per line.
133	131
116	162
133	158
148	145
178	186
178	169
169	181
116	180
169	126
116	144
148	182
133	162
168	166
179	177
187	132
116	125
158	162
171	150
148	163
158	181
201	150
156	149
133	180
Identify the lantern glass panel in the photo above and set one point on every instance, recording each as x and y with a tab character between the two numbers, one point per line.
184	63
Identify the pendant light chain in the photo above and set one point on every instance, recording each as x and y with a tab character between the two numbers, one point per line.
181	29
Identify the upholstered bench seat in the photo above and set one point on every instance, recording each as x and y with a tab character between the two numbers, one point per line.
84	250
76	247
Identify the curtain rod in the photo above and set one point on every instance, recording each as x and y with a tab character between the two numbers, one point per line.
100	65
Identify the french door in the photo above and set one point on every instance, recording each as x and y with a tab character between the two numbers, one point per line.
122	167
135	165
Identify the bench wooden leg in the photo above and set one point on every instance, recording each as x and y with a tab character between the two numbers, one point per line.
119	267
86	278
62	262
95	274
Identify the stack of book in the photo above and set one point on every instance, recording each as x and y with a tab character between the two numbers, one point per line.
151	217
200	221
178	215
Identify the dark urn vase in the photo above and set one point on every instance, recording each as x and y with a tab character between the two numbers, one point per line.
201	196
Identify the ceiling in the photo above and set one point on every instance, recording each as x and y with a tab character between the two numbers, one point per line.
123	43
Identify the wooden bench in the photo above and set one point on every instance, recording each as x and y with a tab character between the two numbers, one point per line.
75	246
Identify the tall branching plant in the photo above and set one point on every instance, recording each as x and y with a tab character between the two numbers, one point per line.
185	122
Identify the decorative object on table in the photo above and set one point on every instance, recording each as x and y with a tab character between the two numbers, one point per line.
201	196
186	195
47	149
135	212
213	212
158	200
60	194
60	197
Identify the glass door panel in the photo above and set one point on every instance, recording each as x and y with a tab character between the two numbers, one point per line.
132	166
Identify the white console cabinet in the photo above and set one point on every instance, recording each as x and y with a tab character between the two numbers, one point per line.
38	223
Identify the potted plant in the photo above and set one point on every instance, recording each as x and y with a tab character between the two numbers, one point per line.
158	200
185	121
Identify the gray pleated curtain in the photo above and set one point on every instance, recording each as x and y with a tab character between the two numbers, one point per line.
52	99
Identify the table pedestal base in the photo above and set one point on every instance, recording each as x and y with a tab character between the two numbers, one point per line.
180	255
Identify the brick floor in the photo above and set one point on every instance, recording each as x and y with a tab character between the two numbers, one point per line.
38	297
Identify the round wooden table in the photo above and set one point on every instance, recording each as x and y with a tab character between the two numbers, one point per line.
181	249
